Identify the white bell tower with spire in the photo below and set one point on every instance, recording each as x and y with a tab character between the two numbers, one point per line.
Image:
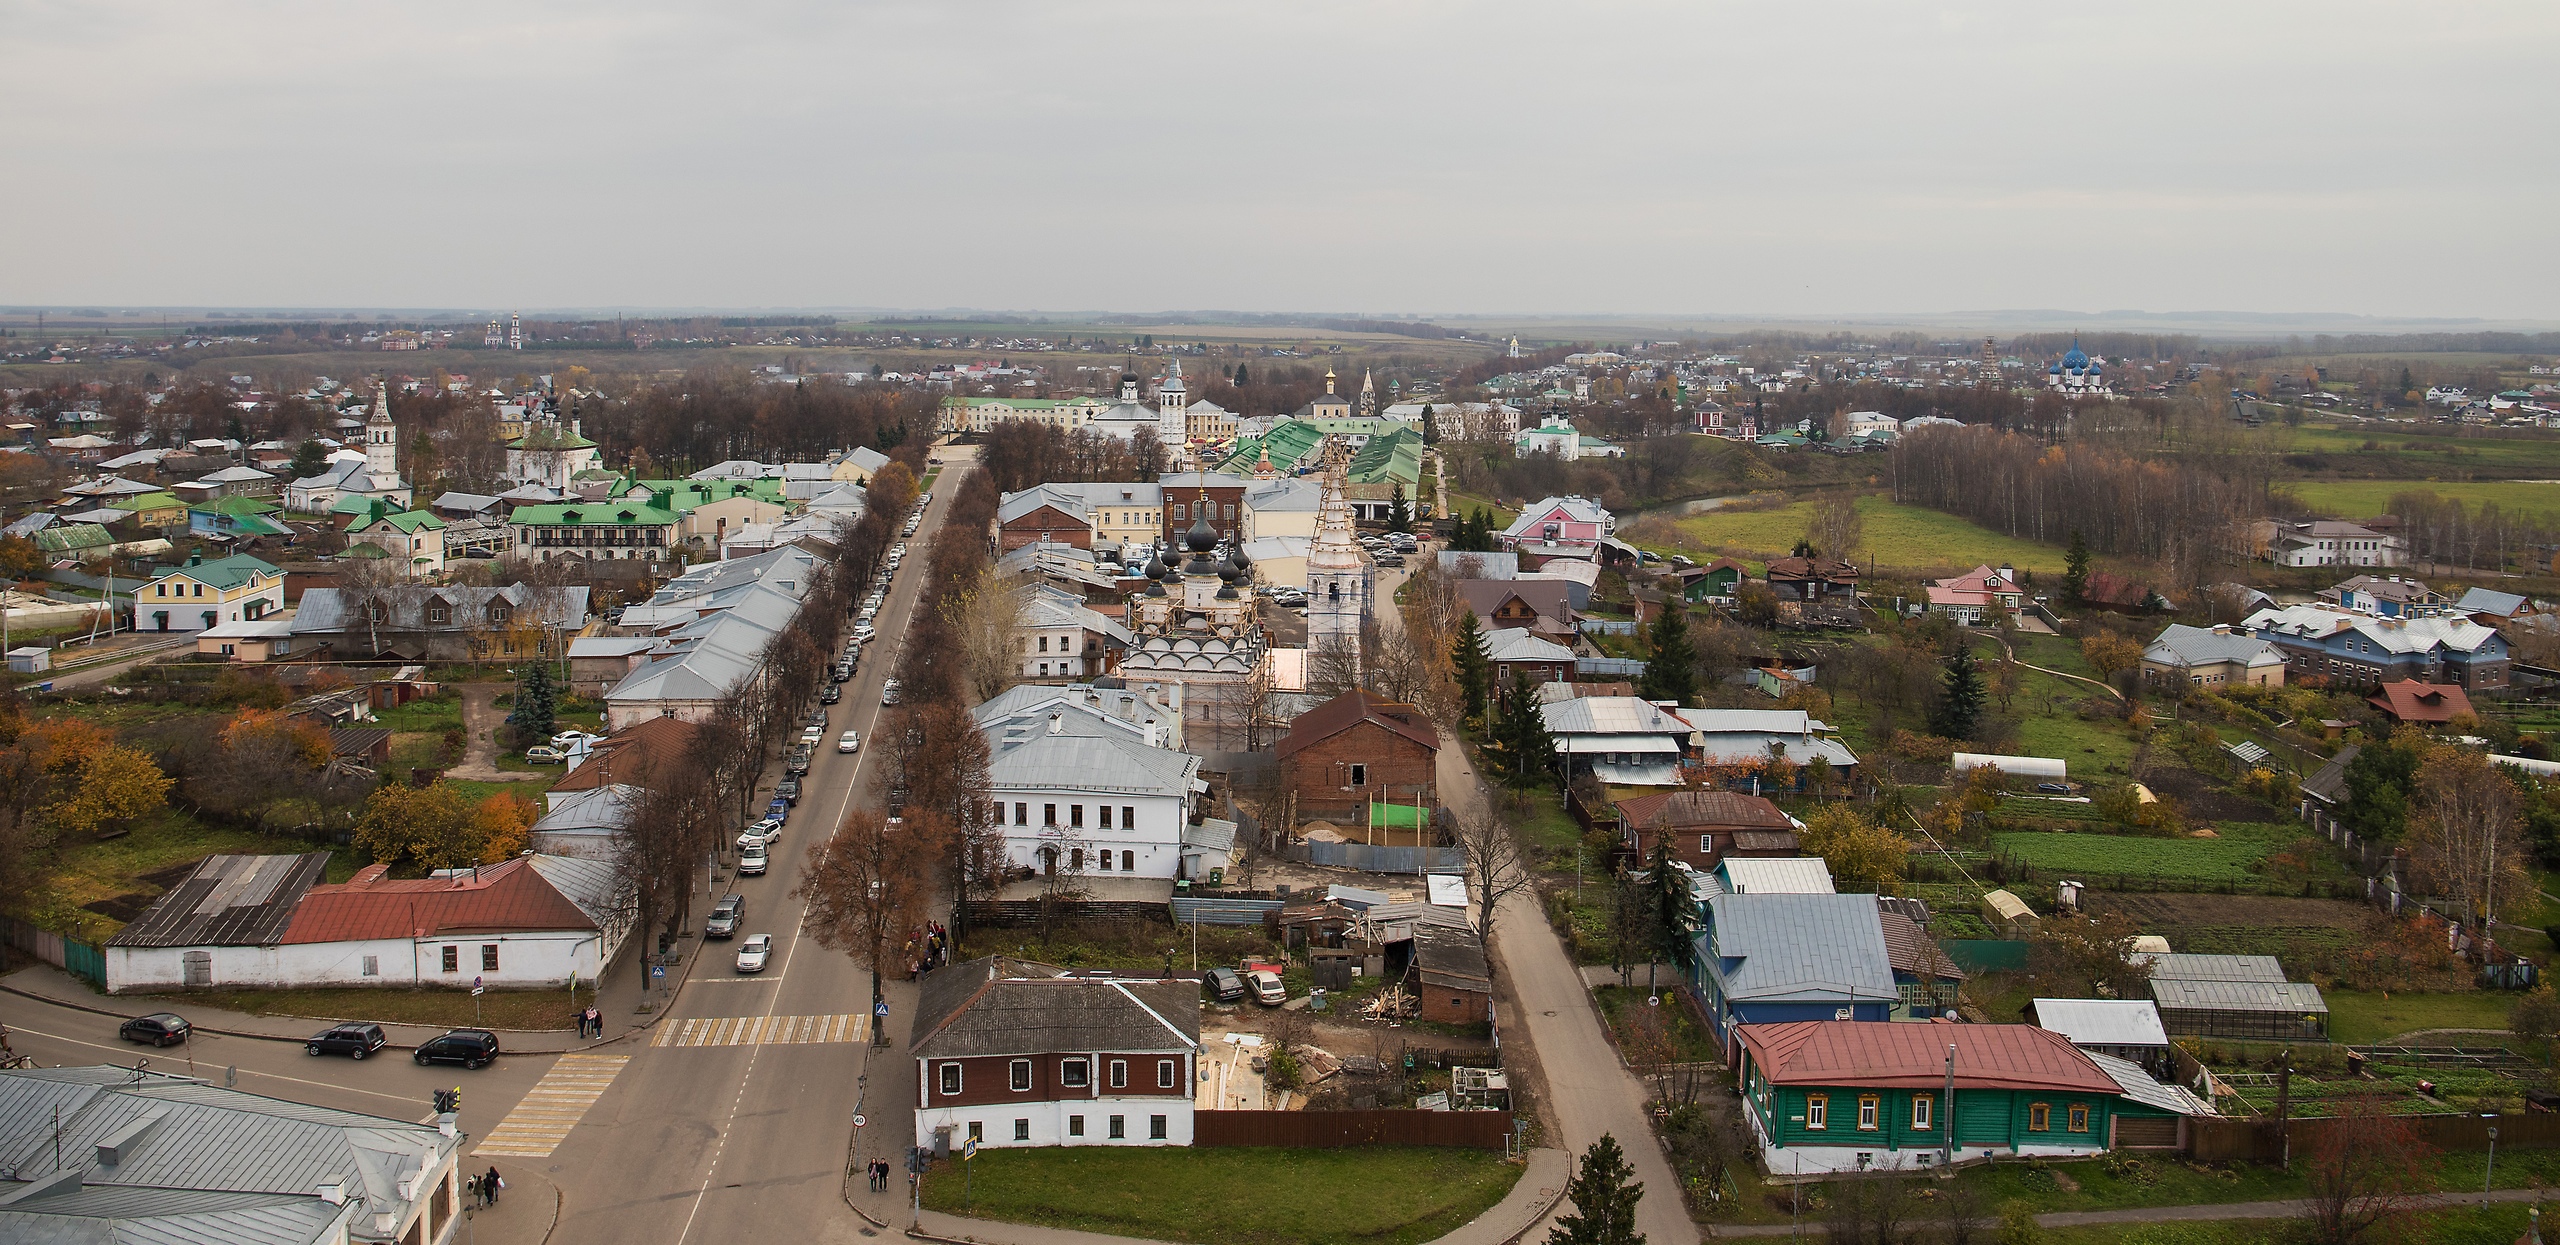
1173	404
381	438
1337	576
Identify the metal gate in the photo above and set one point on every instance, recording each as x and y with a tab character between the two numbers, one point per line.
199	967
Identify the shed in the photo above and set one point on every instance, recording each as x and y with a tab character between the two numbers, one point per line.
2044	769
34	659
2009	915
2128	1029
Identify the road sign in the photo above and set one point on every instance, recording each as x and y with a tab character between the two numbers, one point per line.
969	1151
657	970
880	1010
857	1121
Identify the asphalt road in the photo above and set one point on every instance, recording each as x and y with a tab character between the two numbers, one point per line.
727	1143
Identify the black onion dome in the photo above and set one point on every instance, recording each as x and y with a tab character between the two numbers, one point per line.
1201	538
1155	567
1242	562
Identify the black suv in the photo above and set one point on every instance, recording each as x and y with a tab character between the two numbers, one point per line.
725	916
472	1048
1223	985
156	1029
787	789
352	1041
833	692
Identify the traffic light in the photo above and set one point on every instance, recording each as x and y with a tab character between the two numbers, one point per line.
448	1101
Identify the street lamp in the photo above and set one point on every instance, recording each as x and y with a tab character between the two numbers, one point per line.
2491	1175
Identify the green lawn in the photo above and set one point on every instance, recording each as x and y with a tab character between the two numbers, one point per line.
2359	499
2366	1017
2233	856
1371	1195
2420	454
88	870
1896	536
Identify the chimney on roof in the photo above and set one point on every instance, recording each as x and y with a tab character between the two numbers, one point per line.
1057	723
333	1193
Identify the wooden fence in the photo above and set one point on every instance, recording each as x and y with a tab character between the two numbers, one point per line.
1329	1130
80	959
2263	1141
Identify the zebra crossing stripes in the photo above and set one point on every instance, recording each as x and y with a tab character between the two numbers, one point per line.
764	1030
553	1106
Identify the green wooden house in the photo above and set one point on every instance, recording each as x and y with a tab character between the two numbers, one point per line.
1715	579
1829	1096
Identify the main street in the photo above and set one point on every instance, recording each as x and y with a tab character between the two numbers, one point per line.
725	1132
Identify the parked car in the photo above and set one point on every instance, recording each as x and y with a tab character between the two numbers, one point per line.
843	673
156	1029
566	738
2054	788
724	918
798	764
751	861
753	953
787	789
812	734
889	692
543	754
1391	559
850	741
777	809
864	629
834	693
352	1041
1223	985
1266	987
471	1048
898	550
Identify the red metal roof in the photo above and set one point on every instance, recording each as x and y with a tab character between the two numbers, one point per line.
1704	808
2411	701
1349	710
1905	1055
502	898
632	754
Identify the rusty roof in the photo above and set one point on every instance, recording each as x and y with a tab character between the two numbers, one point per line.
1348	710
1902	1055
508	896
229	901
1705	808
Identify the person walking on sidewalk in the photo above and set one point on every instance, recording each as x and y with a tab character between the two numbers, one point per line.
490	1185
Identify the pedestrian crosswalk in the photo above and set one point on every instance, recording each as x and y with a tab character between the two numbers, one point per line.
764	1030
553	1106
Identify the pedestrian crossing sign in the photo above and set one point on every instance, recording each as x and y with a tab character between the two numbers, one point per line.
969	1150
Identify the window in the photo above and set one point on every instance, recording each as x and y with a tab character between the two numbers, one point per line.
1866	1113
950	1078
488	957
1359	775
1923	1109
1048	814
1075	816
977	1130
1817	1111
439	613
1044	644
372	966
1178	512
2079	1117
1164	1074
1128	860
453	959
1075	1073
2039	1118
1022	1130
1021	1071
1119	1128
1075	1126
1119	1074
1021	814
1102	812
162	590
1155	1128
1106	861
1128	817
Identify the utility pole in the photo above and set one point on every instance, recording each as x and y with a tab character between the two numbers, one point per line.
1947	1109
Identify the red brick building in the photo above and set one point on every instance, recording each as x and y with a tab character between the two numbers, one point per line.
1190	496
1036	516
1358	748
1012	1059
1706	826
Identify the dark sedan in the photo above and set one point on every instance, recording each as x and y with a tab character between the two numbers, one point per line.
471	1048
156	1029
352	1041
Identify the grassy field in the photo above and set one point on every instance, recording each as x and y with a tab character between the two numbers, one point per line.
2358	499
2367	1017
2231	857
1896	536
2426	454
1373	1195
498	1009
87	871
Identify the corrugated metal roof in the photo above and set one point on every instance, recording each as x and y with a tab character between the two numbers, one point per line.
1068	761
1777	947
2296	997
2138	1085
1801	875
511	895
94	1215
229	901
2188	966
1903	1055
1611	715
2102	1022
972	1009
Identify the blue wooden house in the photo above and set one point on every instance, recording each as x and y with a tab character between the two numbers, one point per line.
1765	959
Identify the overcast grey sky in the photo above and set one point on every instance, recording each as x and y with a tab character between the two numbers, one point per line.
1777	158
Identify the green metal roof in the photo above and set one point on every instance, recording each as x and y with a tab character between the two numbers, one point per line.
237	506
66	537
545	437
592	514
149	501
226	574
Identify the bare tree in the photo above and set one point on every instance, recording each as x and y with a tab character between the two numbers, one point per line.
1836	529
985	618
1497	865
2466	837
1332	669
868	884
2367	1173
367	590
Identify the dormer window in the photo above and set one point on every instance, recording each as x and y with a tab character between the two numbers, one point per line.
439	613
376	611
500	612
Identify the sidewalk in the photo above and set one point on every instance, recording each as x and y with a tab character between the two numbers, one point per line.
527	1210
624	986
1525	1207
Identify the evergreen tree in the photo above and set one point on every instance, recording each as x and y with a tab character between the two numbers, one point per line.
1475	674
1430	426
1399	511
1803	549
309	459
1670	910
1528	751
2407	381
1960	703
1604	1192
536	704
1243	377
2075	569
1670	669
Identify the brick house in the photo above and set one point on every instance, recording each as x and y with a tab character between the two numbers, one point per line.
1038	516
1009	1059
1190	496
1356	749
1706	826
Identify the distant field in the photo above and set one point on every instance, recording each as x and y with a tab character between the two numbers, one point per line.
2357	499
1896	535
2233	857
2423	454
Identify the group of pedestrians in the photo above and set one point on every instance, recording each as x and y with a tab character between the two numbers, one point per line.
879	1172
928	950
484	1189
591	1023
